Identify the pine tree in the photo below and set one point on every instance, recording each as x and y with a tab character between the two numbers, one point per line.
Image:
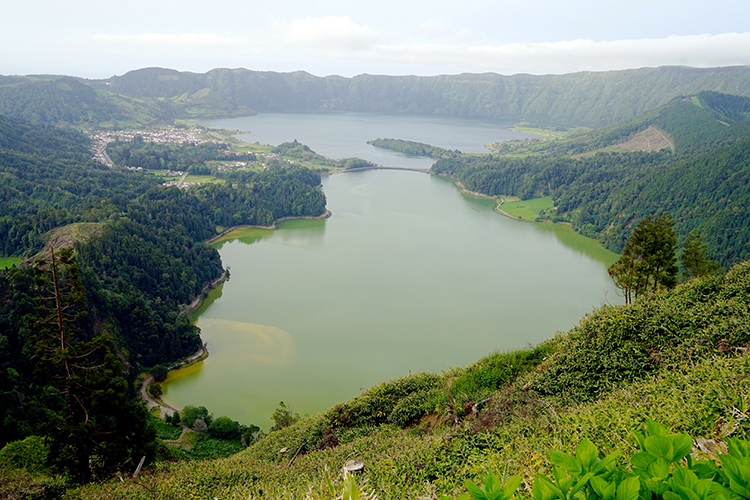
101	428
649	260
695	257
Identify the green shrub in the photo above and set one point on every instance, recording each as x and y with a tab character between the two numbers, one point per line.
30	454
166	431
299	438
192	413
224	428
492	372
416	405
374	406
616	345
206	447
159	372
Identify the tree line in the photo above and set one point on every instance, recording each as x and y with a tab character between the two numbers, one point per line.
78	325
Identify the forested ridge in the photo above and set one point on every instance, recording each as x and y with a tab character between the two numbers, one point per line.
77	326
157	95
139	257
704	184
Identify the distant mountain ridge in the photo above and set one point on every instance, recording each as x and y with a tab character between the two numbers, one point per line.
588	98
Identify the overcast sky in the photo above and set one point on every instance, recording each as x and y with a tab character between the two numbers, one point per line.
101	38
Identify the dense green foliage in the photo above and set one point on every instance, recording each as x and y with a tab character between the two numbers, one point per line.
581	98
695	259
662	469
142	258
694	385
166	156
49	180
413	148
302	153
614	345
604	195
100	428
161	95
668	356
649	259
57	101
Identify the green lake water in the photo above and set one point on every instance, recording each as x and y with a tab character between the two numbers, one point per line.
407	275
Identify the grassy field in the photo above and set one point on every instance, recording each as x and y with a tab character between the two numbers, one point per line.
546	132
527	209
8	262
202	179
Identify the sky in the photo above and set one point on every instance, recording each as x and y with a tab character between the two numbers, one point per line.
99	39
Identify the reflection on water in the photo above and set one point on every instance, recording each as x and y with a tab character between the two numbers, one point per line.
306	231
407	275
262	345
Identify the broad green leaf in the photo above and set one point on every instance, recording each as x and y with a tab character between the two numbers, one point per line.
580	484
687	494
587	453
491	484
659	469
731	468
656	429
703	487
548	486
656	486
720	491
628	489
682	444
606	463
683	477
565	461
738	448
510	487
660	447
603	488
642	460
561	478
475	491
641	440
671	495
707	469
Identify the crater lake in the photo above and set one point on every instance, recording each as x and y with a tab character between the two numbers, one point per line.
407	275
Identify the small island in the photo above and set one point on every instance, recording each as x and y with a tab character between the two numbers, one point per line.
414	148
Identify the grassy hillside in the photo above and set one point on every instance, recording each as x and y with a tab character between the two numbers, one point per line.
677	357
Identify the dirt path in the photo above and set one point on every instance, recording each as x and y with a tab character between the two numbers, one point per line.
664	137
164	408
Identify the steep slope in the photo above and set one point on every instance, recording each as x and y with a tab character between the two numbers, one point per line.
675	357
154	94
604	193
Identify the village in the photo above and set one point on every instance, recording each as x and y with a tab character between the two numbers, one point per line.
101	138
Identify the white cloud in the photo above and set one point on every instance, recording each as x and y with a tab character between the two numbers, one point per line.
433	28
332	32
562	56
186	40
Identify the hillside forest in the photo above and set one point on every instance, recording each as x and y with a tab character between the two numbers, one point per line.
647	400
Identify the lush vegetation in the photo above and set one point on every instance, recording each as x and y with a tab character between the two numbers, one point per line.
413	148
123	255
166	156
155	95
604	194
49	180
120	256
675	356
